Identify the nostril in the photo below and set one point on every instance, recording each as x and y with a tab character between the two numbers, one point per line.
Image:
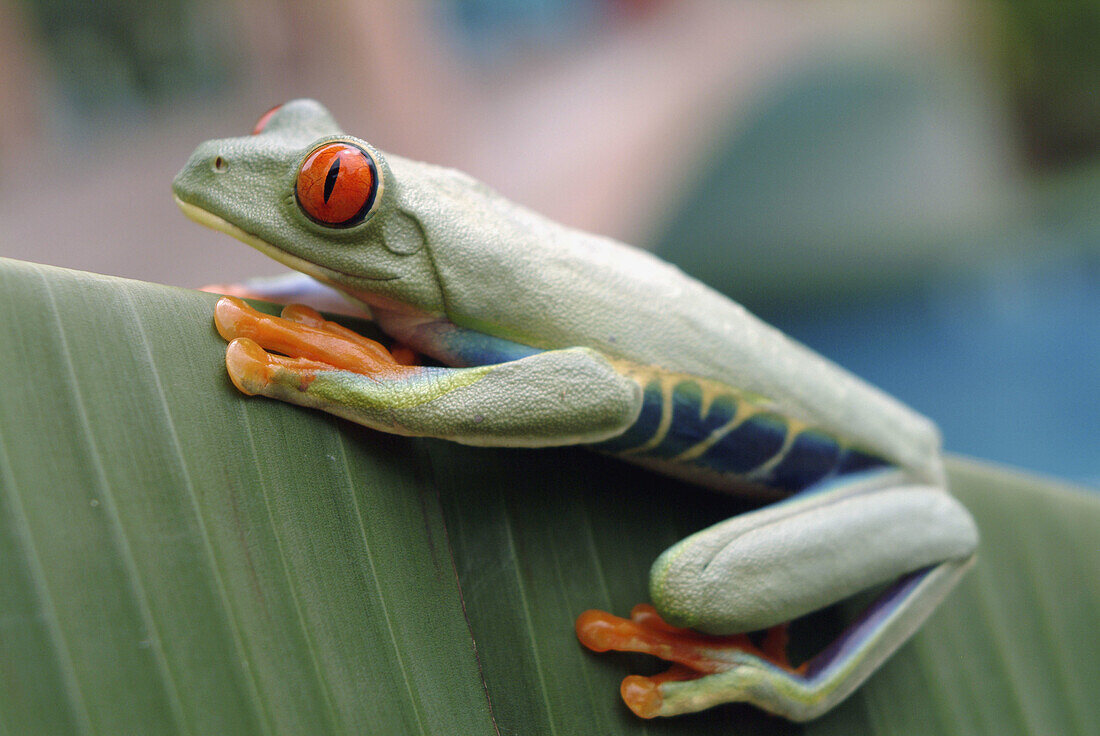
219	165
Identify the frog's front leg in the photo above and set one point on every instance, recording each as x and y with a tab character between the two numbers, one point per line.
555	397
766	567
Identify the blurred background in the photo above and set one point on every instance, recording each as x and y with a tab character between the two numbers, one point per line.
912	189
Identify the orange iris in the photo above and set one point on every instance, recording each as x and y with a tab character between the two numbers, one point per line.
337	185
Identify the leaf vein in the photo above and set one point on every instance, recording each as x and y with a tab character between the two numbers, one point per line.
65	659
215	564
118	532
413	700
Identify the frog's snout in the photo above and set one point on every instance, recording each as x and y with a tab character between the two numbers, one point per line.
208	161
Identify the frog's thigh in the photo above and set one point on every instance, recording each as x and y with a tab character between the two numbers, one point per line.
783	561
557	397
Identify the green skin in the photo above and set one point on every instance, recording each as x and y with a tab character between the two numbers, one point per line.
442	261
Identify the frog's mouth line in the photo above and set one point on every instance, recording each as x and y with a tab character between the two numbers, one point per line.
321	273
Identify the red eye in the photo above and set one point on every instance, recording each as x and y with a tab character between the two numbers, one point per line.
264	120
337	185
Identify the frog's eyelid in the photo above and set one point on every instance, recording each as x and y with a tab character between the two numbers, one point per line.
265	119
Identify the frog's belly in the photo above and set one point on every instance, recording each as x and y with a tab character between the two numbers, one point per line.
722	438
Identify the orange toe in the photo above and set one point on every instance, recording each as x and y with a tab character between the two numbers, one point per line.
642	695
303	315
313	338
248	366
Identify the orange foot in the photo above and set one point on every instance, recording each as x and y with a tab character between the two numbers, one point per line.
694	654
312	343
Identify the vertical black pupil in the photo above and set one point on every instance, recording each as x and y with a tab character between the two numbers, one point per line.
330	180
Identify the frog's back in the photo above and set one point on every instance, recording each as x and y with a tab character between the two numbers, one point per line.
534	281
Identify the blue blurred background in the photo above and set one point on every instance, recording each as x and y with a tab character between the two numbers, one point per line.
912	189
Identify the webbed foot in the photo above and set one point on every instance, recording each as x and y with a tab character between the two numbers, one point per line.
311	344
698	659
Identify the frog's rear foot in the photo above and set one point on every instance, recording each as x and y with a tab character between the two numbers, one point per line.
712	670
698	658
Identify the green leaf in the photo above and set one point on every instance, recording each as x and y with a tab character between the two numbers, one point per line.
178	558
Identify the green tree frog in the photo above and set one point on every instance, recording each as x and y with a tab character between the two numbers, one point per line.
551	336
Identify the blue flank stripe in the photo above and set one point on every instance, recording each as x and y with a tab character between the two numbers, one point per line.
646	425
853	461
460	347
688	428
811	457
748	445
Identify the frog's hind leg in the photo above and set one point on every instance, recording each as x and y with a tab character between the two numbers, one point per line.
554	397
764	568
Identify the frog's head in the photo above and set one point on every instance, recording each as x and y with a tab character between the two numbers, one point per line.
316	199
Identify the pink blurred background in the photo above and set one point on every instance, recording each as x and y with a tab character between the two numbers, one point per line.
910	188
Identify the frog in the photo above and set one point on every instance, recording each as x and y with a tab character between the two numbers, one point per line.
534	334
